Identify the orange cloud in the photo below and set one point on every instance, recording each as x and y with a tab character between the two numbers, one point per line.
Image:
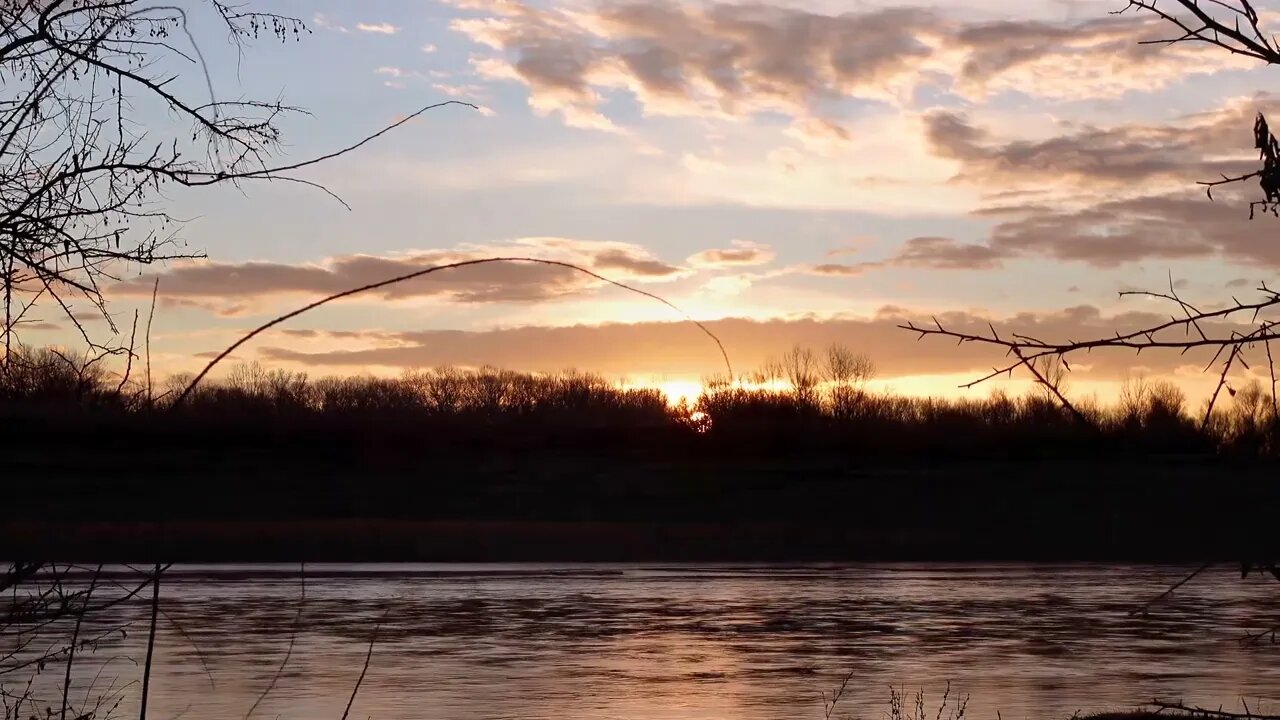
634	264
195	284
935	253
742	254
679	350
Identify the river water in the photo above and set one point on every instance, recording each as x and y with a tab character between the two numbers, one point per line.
685	642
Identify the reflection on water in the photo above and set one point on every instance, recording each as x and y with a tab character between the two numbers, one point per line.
701	641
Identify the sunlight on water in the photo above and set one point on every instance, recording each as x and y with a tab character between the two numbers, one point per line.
621	641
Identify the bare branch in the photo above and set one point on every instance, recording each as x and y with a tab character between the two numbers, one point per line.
1175	334
82	181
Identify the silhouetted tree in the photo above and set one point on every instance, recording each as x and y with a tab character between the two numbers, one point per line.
845	367
800	368
85	156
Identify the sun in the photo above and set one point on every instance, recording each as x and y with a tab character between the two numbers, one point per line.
676	391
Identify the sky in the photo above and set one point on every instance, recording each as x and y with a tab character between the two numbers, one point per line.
789	172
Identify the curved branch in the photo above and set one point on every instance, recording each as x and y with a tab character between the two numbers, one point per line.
427	271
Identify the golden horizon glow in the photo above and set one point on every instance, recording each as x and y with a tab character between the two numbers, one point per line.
687	391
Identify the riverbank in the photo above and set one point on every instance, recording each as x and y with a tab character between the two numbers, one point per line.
385	501
569	468
539	507
382	540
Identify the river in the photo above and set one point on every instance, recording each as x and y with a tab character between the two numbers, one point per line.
690	642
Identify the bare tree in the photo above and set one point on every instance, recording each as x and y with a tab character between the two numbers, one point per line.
847	374
82	172
844	367
769	373
1234	331
800	368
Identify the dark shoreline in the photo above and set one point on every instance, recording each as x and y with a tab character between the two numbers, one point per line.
290	495
353	540
573	507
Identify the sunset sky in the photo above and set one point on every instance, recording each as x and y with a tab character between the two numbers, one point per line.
795	171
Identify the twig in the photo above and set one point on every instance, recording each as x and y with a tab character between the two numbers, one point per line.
1150	603
75	637
367	657
1275	404
128	368
1222	381
1053	387
204	664
271	172
151	315
151	643
293	639
1200	712
1256	636
1026	351
829	707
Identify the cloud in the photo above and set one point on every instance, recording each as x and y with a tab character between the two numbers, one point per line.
461	91
484	283
945	253
935	253
728	285
1132	155
379	28
212	285
840	269
399	77
1104	196
1237	283
320	20
1175	226
1104	57
723	59
729	60
372	336
742	254
634	264
853	246
680	349
220	308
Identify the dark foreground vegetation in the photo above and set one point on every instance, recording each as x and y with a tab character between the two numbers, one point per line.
494	465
